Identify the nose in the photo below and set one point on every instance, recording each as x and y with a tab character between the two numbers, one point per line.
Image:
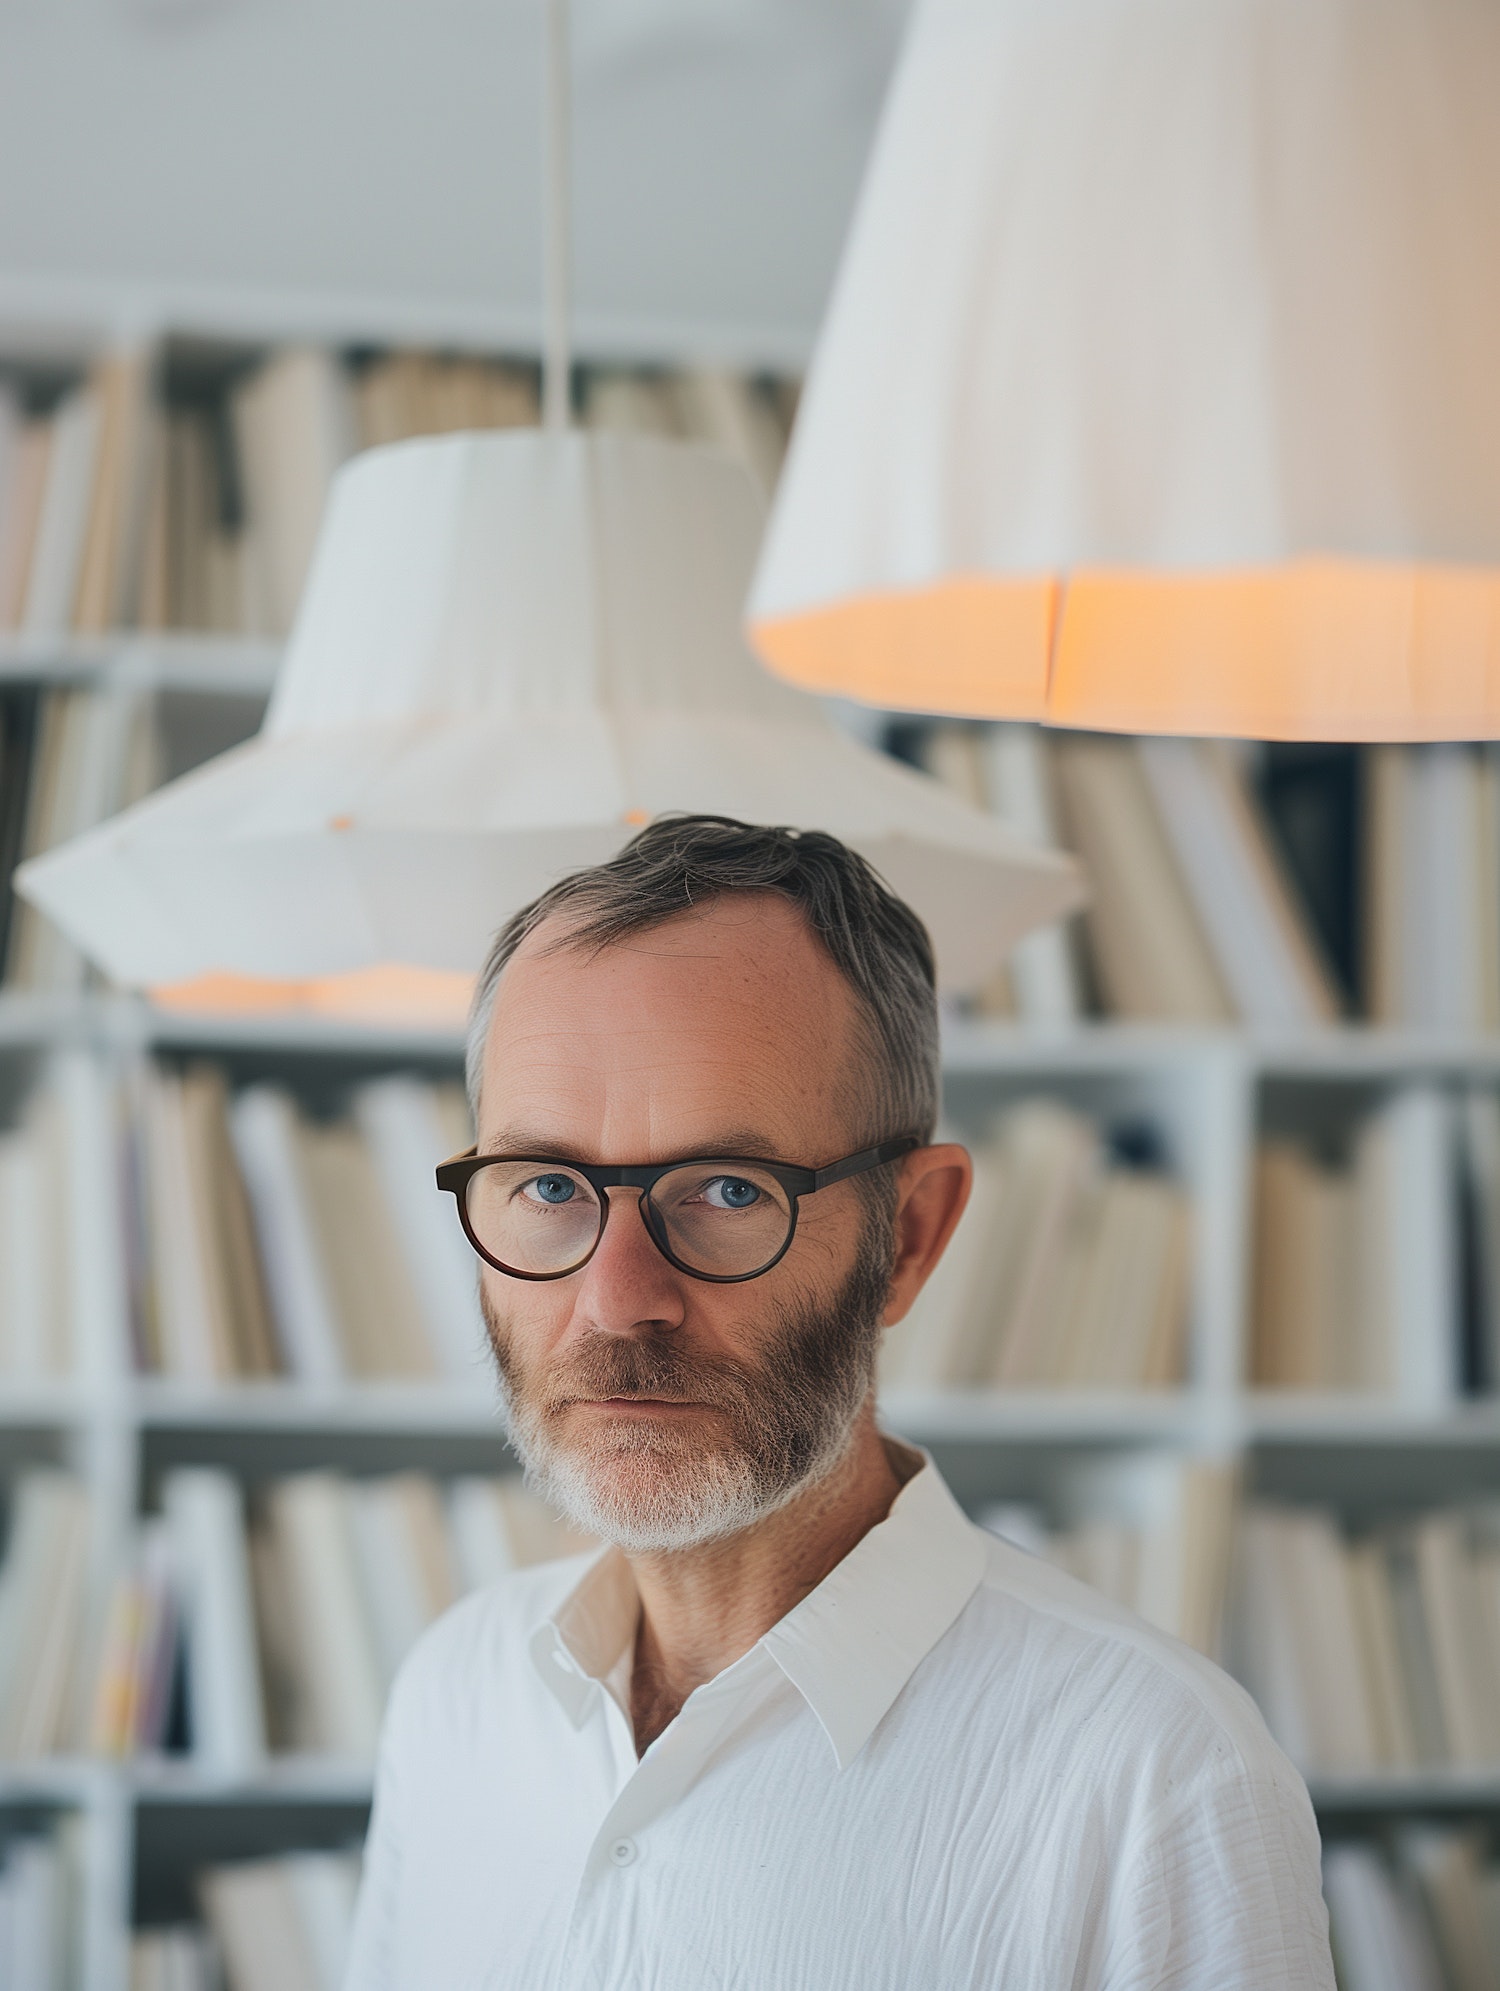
627	1287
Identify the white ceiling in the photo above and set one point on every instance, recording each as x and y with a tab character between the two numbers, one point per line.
359	167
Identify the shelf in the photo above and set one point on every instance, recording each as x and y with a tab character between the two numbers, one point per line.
287	1033
1043	1417
1328	1418
239	666
396	1406
1345	1053
35	1020
290	1779
66	1781
29	1404
1349	1054
1028	1417
333	1781
974	1048
1406	1791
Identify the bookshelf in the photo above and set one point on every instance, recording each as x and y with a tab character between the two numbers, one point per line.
1206	1092
147	1823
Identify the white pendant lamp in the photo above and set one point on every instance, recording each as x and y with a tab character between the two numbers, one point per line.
513	651
1160	388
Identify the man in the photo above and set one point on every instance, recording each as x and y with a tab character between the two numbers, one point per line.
803	1724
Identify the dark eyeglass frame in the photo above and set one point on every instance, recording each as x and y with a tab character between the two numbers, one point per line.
455	1175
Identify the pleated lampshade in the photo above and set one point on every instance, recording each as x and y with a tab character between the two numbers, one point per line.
1160	387
513	650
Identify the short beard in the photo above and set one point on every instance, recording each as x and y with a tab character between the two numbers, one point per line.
654	1491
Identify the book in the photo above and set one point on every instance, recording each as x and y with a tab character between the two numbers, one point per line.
204	1510
165	490
110	564
257	1925
1262	944
405	1558
40	1906
1459	1887
276	1244
1016	772
1069	1269
733	414
263	1130
62	518
21	499
188	1330
631	400
408	1127
42	1606
293	423
75	757
404	394
338	1661
1355	1279
287	1614
1302	1333
36	1296
1150	956
381	1326
1432	931
1381	1938
173	1959
1370	1652
1151	1532
1480	1169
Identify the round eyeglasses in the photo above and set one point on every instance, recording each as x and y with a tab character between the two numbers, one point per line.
534	1217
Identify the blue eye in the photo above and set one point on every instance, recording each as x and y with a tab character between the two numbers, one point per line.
554	1188
731	1192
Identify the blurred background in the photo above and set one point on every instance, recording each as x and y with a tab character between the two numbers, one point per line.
1222	1333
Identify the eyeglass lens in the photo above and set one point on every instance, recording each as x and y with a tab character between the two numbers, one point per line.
725	1219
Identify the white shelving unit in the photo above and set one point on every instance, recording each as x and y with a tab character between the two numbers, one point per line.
1202	1091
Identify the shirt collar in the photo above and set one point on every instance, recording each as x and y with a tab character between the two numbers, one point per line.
848	1648
852	1644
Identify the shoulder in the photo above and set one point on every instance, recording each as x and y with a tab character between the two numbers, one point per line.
1118	1704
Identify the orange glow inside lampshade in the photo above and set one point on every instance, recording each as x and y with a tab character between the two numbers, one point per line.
1316	649
391	994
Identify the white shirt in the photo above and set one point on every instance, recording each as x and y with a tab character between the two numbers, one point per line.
949	1766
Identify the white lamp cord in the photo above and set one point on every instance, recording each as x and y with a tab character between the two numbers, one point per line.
557	358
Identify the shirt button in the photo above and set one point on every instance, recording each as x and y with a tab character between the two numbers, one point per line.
623	1852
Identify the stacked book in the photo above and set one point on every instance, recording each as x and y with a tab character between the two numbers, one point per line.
40	1884
1194	916
267	1242
1069	1269
288	1615
1432	887
68	759
156	497
45	1616
1372	1652
1422	1916
1233	885
1356	1263
71	756
271	1925
36	1299
1152	1533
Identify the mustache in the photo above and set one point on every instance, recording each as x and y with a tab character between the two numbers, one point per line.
653	1366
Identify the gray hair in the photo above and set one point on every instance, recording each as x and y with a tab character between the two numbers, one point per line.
680	862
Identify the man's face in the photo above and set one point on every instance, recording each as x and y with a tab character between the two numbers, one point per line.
659	1409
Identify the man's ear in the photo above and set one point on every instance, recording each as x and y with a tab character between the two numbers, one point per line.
933	1188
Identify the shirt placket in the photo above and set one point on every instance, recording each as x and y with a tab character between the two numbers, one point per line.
629	1841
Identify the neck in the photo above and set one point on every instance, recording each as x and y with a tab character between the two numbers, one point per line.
703	1608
